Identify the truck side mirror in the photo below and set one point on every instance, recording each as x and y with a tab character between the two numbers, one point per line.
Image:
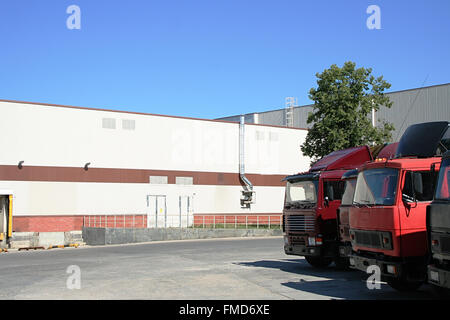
326	202
330	192
408	189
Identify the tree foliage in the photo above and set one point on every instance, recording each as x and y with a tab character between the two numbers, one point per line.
341	117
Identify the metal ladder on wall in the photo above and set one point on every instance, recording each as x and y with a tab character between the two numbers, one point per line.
290	103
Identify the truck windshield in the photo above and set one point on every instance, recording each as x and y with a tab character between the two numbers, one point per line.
301	191
376	187
442	190
347	198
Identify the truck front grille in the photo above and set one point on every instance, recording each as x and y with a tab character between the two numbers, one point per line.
298	241
368	239
300	223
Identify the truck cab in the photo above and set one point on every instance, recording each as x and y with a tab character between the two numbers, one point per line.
311	202
438	225
386	151
388	216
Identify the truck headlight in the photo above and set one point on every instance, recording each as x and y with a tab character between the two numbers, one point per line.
391	269
434	276
315	241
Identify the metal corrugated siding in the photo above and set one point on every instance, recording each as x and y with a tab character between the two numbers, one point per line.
276	117
415	106
248	118
301	116
418	105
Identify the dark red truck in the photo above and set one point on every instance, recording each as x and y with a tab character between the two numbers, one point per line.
311	202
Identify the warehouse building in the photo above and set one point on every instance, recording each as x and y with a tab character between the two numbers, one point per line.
62	168
409	107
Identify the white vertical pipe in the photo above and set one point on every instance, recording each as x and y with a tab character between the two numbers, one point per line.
241	155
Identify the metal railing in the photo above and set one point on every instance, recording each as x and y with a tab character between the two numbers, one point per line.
133	221
238	221
190	221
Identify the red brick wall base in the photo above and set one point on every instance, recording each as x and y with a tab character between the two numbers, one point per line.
76	222
47	223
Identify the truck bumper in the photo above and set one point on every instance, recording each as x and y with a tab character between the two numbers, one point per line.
388	269
438	277
302	250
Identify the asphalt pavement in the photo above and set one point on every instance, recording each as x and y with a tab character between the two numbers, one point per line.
239	268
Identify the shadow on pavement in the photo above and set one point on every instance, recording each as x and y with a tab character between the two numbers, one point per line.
338	284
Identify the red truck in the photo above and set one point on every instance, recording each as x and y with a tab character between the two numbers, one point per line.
388	217
386	151
311	201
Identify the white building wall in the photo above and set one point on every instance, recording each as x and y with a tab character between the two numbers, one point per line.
70	137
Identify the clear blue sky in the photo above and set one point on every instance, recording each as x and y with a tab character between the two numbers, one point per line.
211	58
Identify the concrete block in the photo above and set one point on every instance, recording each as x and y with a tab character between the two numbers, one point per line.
20	244
48	239
72	237
24	240
20	236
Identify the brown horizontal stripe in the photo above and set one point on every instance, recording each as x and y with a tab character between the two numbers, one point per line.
106	175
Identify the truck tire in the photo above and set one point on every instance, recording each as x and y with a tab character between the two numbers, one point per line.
440	292
319	262
342	263
403	285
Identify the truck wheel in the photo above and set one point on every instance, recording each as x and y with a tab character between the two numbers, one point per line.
342	263
440	292
318	262
403	285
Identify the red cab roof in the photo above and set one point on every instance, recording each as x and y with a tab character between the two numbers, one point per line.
388	152
404	163
346	159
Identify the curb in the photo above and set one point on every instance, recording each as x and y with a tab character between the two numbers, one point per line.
71	245
30	248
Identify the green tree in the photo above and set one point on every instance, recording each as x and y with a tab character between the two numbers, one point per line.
343	103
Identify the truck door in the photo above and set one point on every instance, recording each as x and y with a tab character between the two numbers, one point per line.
332	195
417	193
